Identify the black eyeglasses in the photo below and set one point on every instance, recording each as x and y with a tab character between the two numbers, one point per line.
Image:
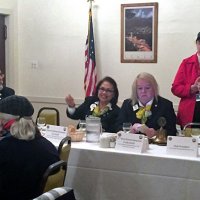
109	91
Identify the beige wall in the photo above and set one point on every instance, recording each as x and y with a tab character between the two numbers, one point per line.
53	34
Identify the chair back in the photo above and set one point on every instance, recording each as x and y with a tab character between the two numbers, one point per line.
192	128
54	176
50	114
61	193
64	148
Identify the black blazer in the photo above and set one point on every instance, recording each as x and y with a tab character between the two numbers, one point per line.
161	108
5	92
108	119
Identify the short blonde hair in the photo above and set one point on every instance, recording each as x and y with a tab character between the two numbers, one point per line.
147	77
23	129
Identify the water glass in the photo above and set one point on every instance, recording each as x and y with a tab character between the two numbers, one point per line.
196	134
41	122
179	131
126	127
82	125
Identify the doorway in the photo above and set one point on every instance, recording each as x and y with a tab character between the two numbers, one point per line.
3	35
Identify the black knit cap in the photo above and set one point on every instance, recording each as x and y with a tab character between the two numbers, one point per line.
16	105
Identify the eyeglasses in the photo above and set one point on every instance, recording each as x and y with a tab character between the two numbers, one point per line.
109	91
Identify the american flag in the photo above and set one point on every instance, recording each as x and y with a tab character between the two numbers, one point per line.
90	63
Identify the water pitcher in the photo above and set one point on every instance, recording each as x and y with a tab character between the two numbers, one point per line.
93	129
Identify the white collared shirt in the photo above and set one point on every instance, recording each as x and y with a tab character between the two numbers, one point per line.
71	110
147	104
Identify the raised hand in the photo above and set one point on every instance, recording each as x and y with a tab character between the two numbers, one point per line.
70	101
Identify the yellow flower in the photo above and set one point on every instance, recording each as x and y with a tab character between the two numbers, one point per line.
143	113
97	112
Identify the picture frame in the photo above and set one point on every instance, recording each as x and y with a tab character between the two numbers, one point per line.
139	31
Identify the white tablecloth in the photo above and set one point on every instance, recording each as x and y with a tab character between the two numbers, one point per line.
107	174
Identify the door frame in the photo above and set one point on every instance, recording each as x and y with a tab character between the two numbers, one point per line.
11	47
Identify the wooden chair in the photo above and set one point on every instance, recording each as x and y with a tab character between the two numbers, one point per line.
192	128
64	148
50	114
54	176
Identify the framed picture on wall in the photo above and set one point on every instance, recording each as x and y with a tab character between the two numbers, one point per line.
139	31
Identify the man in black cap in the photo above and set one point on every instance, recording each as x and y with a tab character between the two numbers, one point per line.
11	108
25	154
4	91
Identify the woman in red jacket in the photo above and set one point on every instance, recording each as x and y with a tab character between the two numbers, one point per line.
186	86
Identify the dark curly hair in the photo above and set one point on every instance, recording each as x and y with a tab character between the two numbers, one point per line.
114	100
198	37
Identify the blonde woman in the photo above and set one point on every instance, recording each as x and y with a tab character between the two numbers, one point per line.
146	107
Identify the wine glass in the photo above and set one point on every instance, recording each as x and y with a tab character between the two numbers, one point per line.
126	127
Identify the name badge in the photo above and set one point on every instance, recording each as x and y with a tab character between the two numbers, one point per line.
135	107
182	146
131	142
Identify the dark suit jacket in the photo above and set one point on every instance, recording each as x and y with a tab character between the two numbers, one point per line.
5	92
160	108
22	166
108	119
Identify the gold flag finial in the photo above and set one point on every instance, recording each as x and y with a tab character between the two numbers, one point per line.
90	2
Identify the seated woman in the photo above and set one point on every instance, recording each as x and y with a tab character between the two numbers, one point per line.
146	107
25	154
103	104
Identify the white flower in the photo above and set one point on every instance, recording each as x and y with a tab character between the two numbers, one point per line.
109	106
94	105
147	113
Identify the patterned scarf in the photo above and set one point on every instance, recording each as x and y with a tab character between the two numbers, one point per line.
6	128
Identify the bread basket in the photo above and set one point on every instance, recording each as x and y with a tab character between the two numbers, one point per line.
77	136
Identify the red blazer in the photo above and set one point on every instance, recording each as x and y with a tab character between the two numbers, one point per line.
185	77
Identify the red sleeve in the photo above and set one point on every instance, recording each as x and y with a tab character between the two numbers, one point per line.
181	85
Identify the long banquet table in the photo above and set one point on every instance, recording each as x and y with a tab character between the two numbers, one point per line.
107	174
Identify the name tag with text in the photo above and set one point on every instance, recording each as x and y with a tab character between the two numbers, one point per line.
55	132
182	146
131	142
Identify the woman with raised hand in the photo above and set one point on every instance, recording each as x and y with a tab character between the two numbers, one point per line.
103	104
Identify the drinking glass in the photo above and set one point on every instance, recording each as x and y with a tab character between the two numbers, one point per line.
41	122
82	125
179	131
196	134
126	127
